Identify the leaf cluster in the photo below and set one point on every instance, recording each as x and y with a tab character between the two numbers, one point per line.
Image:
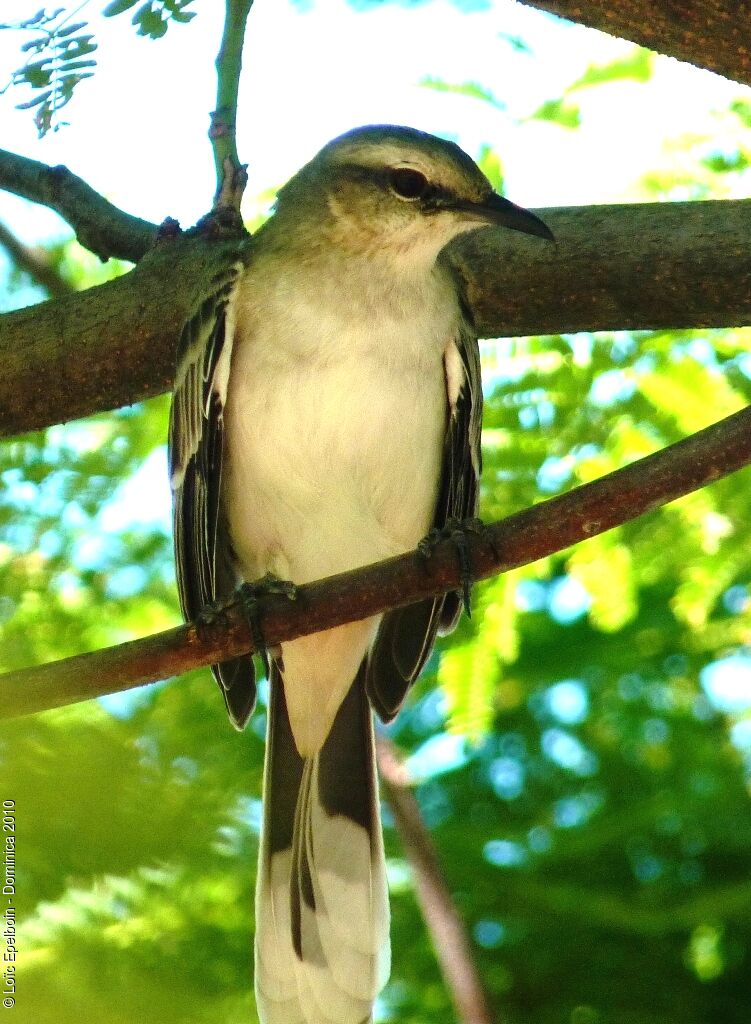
59	52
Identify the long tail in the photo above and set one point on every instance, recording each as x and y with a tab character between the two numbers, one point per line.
322	914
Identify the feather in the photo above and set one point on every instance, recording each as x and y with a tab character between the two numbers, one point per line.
322	920
196	441
406	635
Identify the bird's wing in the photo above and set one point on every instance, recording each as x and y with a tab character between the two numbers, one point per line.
196	436
406	635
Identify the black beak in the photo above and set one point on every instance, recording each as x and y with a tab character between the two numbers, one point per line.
494	209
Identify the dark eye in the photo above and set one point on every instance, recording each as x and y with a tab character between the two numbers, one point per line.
407	183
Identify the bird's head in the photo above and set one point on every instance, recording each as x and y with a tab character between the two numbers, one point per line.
398	191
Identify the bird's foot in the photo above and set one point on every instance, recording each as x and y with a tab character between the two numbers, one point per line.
250	594
212	616
456	530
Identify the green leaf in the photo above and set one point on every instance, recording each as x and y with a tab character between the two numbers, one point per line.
118	7
560	112
637	65
471	89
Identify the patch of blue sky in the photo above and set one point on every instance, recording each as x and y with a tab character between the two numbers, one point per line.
503	853
124	705
507	776
568	701
443	753
610	388
531	596
144	500
743	362
727	682
568	600
554	473
574	811
569	752
489	933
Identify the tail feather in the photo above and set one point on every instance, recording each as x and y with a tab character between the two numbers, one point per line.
322	919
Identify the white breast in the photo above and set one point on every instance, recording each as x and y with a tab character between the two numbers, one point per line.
335	417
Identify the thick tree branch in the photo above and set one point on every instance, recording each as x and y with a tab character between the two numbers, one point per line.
108	346
522	538
99	226
712	34
613	267
450	940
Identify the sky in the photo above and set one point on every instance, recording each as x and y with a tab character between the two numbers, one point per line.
313	70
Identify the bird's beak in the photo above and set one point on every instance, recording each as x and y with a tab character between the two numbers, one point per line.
496	210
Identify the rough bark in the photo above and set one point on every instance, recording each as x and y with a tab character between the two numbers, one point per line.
108	346
612	267
99	226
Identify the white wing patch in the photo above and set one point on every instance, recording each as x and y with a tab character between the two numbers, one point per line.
205	353
455	374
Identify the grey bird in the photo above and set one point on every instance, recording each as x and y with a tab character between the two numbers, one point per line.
327	415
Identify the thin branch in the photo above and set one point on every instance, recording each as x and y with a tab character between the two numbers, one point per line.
522	538
450	940
599	908
35	263
99	226
650	265
712	34
230	173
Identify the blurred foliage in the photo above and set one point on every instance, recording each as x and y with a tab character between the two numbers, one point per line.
59	51
58	59
581	747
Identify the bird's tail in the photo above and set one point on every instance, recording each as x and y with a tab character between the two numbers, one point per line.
322	915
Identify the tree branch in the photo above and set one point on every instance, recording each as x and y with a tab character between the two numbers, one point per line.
712	34
522	538
108	346
230	173
613	267
99	226
35	263
450	940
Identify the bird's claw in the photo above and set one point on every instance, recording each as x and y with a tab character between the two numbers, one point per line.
250	595
456	531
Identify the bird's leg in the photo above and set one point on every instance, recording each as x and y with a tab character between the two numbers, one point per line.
250	594
456	530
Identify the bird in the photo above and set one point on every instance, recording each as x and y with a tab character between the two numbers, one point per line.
326	415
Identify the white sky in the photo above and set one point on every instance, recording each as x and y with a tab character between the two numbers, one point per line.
138	128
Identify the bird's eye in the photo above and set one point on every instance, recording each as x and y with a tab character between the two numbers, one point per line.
408	184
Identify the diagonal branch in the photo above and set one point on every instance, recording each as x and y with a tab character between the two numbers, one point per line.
99	225
34	262
522	538
450	940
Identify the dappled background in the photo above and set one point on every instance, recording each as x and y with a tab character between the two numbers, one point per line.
580	749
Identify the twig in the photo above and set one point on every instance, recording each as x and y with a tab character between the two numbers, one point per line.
35	263
522	538
231	176
450	940
99	226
